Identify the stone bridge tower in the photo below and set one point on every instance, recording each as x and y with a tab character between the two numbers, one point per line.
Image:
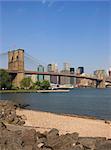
16	63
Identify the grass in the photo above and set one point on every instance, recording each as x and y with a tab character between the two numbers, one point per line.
17	91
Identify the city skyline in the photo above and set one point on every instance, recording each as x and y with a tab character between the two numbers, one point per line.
55	32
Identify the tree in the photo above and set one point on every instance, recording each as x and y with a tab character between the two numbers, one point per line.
5	80
26	83
37	85
45	85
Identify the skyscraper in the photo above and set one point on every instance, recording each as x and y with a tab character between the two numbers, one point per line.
80	70
40	69
66	70
52	68
100	73
66	66
110	71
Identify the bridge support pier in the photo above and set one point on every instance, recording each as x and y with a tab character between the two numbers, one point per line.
58	80
17	79
100	84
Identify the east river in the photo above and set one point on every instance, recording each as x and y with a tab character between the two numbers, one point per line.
88	102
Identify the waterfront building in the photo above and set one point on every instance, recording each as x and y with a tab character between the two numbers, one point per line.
66	70
79	71
53	68
72	79
40	69
86	82
66	66
47	77
110	71
34	78
100	74
65	80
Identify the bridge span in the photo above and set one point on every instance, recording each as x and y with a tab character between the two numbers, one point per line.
28	72
17	70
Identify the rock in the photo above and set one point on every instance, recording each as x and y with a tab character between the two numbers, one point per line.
78	147
8	113
10	118
40	135
52	138
2	126
68	141
29	137
106	145
52	133
28	147
63	142
40	145
23	117
90	142
16	120
46	148
21	122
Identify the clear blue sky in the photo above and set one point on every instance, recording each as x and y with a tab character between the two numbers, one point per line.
59	31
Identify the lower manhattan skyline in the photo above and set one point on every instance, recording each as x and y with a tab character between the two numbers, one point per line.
59	31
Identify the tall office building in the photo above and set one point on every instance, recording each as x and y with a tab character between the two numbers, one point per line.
64	80
52	68
66	66
109	71
34	78
46	77
66	70
72	79
40	69
100	73
80	70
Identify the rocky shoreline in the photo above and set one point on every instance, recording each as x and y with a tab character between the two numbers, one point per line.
8	113
15	136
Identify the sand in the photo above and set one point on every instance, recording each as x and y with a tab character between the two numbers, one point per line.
44	121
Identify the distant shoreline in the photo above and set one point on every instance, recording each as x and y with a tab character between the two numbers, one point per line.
41	91
34	91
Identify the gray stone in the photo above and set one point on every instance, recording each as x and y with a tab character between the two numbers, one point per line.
106	145
29	137
90	142
2	126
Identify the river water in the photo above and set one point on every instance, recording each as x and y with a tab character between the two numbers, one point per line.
89	102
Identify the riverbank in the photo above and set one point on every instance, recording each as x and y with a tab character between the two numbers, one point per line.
22	129
33	91
44	121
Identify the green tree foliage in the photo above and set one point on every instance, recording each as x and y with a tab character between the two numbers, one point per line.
5	80
26	83
42	85
37	85
45	85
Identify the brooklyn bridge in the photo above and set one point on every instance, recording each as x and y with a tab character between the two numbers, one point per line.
18	60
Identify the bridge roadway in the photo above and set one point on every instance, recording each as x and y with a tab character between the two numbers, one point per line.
53	74
57	74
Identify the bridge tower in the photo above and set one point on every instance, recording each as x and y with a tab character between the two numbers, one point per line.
16	63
